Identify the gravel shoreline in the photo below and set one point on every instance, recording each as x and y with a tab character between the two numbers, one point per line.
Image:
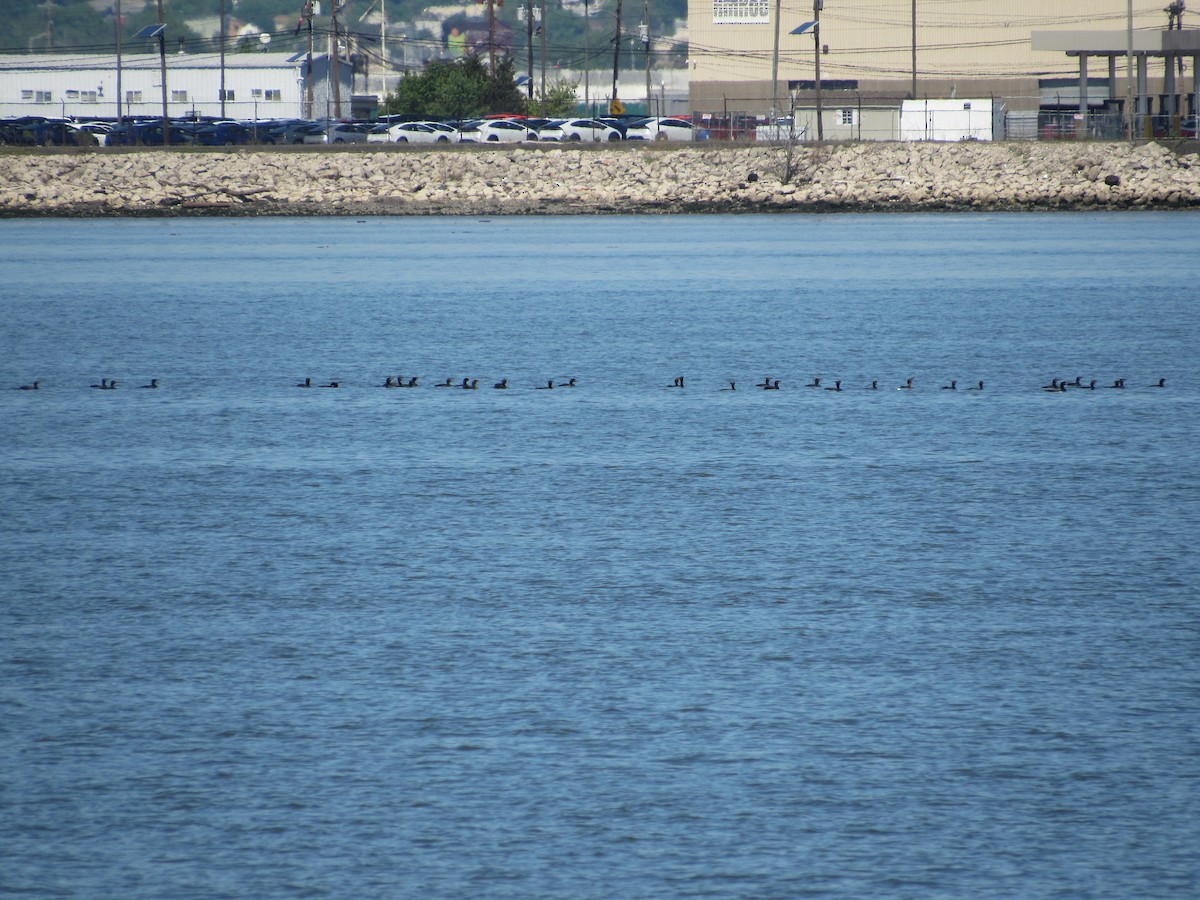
599	180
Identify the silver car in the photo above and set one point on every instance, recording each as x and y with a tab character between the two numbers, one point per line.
338	133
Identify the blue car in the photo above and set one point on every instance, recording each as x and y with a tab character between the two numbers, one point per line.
223	134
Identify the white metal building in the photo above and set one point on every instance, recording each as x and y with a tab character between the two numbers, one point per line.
256	86
979	119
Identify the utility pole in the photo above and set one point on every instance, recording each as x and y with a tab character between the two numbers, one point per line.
542	32
529	44
49	4
587	59
120	96
817	6
1129	111
775	68
492	38
222	59
336	61
162	71
914	49
308	74
646	44
614	103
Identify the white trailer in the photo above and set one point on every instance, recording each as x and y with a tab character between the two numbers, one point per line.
952	120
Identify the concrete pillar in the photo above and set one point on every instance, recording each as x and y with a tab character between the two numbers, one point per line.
1196	89
1169	104
1081	123
1143	101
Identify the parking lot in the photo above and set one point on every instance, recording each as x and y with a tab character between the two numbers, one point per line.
38	131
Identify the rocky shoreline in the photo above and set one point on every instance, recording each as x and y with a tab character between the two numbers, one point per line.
602	179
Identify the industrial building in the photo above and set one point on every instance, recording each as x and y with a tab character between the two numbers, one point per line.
755	58
240	86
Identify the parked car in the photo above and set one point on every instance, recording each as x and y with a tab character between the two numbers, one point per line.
505	131
222	134
64	134
151	134
99	130
1163	126
579	130
417	133
336	133
449	130
621	123
38	131
288	131
660	129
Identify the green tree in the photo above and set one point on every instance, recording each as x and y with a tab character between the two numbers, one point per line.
456	89
502	94
560	99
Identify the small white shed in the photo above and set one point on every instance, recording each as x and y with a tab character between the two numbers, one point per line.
952	120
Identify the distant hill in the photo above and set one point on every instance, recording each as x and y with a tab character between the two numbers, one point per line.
89	26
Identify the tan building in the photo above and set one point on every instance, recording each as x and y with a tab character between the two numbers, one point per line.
878	51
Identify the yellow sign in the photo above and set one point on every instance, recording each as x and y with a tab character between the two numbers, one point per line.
616	108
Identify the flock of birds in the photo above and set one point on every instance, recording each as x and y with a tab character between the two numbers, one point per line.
1056	385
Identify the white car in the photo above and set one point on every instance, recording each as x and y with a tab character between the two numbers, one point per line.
416	133
578	130
660	129
99	130
449	130
506	131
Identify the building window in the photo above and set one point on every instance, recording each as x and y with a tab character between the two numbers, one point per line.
88	96
133	97
44	97
179	96
847	117
274	95
226	96
256	93
26	95
72	95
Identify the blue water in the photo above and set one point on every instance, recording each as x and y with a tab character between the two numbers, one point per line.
621	640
